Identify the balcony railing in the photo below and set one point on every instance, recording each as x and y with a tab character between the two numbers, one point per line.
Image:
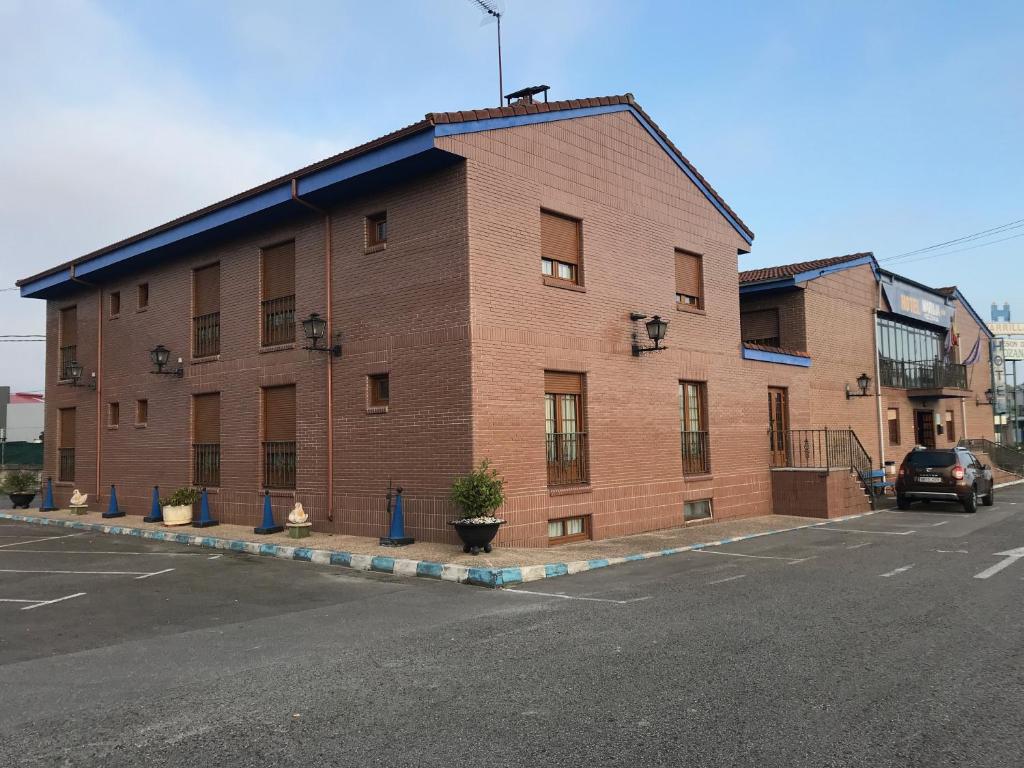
68	355
206	335
279	465
206	464
922	374
567	458
279	321
696	453
65	464
825	449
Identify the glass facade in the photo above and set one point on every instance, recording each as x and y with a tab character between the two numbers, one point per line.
908	343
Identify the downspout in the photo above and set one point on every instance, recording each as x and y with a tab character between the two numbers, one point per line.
330	337
878	381
99	376
963	401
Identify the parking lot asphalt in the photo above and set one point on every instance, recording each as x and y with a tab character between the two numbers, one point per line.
891	640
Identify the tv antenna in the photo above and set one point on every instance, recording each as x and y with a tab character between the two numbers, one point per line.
493	11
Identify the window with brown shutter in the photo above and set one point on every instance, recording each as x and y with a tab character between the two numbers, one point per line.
689	279
206	439
560	247
565	428
143	295
68	341
950	427
892	416
113	414
760	326
141	412
279	459
115	303
278	288
206	311
66	444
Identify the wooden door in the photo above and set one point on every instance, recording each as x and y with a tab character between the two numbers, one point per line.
778	424
924	428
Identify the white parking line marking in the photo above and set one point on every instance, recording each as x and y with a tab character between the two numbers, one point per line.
951	551
1011	555
574	597
83	573
103	552
16	600
790	560
214	557
936	525
731	578
897	571
858	546
859	530
155	573
44	538
51	602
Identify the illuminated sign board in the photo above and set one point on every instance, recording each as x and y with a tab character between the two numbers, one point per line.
912	302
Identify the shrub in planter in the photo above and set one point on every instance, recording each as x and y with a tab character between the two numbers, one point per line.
177	507
21	486
478	494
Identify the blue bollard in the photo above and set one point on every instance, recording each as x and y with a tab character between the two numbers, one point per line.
156	515
48	505
396	534
267	526
112	510
205	519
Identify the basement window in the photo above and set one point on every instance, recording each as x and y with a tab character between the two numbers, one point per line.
568	529
697	510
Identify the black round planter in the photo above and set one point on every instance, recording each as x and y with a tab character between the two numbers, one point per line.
21	499
476	536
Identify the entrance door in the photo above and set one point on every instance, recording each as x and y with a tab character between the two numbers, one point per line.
924	428
778	424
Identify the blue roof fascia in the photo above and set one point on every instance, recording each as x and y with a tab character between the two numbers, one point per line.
371	161
813	274
775	357
767	285
490	124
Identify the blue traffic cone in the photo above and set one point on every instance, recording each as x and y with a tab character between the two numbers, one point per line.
267	526
205	519
156	514
396	534
112	510
48	505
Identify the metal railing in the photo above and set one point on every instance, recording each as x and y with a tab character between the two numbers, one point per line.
279	321
923	374
65	464
67	357
279	464
1002	456
206	335
206	464
825	449
696	453
567	458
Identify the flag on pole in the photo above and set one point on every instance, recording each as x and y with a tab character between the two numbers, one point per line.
974	354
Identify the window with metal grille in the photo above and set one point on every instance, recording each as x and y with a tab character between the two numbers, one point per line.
68	331
376	229
279	457
206	311
206	439
760	326
278	287
560	247
66	444
694	438
565	429
689	279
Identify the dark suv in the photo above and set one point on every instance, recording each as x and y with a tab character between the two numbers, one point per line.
944	474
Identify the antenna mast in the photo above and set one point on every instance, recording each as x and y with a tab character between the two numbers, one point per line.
493	9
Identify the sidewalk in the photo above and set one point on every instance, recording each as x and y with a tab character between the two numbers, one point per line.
502	567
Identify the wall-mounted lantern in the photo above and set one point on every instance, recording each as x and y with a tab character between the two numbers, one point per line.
160	355
987	401
656	330
314	328
74	373
863	382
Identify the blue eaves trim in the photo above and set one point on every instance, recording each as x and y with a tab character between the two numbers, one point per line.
776	357
490	124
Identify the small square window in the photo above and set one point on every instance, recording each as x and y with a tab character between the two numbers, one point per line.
376	229
568	529
143	295
380	390
142	412
697	510
115	303
113	414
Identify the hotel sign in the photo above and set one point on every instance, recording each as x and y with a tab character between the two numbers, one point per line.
1007	329
912	302
1013	349
998	359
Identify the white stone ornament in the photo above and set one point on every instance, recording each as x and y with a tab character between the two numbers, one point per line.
79	499
298	515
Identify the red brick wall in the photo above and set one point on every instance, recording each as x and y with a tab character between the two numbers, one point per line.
792	320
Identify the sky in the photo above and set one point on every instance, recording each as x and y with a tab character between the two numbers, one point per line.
830	127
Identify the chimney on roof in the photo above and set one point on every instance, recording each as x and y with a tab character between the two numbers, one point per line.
525	95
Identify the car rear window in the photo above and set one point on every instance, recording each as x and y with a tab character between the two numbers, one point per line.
931	459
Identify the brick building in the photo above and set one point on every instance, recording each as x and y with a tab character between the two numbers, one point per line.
480	273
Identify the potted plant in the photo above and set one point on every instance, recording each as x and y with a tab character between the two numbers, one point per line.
20	487
177	508
478	494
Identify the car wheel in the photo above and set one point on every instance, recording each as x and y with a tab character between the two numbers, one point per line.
902	502
971	501
990	499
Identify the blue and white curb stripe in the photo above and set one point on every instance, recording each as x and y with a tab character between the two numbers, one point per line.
463	574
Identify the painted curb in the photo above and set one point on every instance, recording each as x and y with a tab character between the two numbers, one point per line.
1008	484
462	574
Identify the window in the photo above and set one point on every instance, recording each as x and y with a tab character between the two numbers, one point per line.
689	280
115	303
560	248
279	460
68	341
950	427
760	326
113	414
379	390
377	229
892	416
206	311
568	529
66	445
206	439
697	510
693	427
565	429
142	412
143	295
278	288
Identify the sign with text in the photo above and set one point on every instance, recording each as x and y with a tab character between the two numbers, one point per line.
912	302
1013	349
998	374
1007	329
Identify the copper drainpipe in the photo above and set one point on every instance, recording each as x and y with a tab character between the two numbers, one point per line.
99	376
330	338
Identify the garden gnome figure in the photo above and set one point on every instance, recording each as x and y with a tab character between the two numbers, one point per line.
298	522
79	502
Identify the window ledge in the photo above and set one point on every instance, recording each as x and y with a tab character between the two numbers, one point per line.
375	409
375	248
569	490
112	426
698	478
204	360
680	307
277	347
554	282
142	426
65	483
141	309
114	317
279	493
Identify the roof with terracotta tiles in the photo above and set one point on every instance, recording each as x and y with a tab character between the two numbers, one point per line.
789	270
777	350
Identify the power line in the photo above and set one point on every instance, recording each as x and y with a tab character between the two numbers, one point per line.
926	256
966	238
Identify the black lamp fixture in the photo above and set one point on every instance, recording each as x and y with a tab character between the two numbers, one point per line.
74	372
863	382
988	398
160	355
656	330
314	328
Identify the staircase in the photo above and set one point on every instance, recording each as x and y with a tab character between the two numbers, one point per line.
1007	463
820	473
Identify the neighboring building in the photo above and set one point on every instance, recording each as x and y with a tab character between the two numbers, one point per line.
25	417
